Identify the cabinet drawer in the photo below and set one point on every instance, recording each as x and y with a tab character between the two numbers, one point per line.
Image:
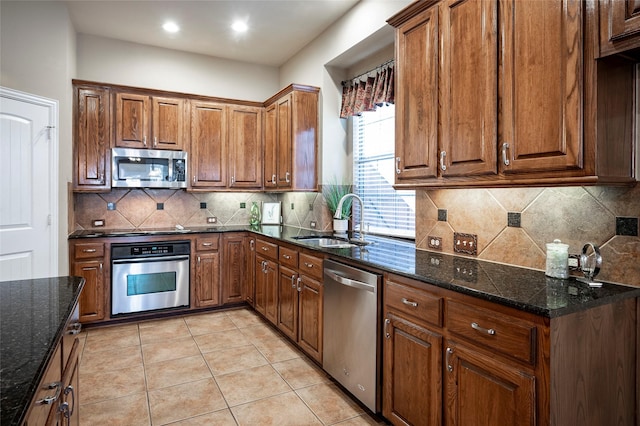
310	266
89	250
266	249
288	257
498	332
207	243
417	303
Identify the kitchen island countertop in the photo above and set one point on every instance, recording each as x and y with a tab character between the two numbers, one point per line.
33	314
520	288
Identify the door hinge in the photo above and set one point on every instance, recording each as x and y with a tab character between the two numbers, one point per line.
49	219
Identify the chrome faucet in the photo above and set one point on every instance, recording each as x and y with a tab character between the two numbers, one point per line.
339	210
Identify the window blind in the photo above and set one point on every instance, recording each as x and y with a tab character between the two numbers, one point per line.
387	211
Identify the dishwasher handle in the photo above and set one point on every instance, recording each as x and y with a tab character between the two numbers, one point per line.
348	281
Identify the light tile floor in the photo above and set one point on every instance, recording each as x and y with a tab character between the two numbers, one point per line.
221	368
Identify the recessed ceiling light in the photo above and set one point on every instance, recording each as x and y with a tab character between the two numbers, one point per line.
239	26
170	27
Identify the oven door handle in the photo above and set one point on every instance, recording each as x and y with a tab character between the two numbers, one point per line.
150	259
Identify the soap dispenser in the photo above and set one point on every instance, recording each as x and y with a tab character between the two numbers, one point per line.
557	259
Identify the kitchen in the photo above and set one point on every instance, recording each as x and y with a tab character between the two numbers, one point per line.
574	214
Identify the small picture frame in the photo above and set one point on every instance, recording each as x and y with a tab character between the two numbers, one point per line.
271	213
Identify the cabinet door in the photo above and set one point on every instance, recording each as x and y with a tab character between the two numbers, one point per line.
245	147
288	302
208	155
283	164
469	87
624	19
271	291
260	300
310	316
92	139
46	414
207	279
92	298
233	256
69	409
417	97
250	272
484	391
271	146
132	120
541	83
168	123
412	381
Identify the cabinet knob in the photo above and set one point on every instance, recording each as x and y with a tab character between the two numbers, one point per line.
505	159
286	256
251	244
443	166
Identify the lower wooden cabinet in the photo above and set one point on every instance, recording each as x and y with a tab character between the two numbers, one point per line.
412	385
234	271
288	290
250	271
206	272
310	311
484	391
89	262
266	297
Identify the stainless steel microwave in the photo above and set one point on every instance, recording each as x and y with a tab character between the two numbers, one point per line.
148	168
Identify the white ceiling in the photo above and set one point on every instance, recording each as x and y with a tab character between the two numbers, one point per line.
277	29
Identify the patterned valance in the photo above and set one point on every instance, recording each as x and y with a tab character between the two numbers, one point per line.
367	91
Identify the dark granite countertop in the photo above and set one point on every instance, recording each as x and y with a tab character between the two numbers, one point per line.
521	288
33	314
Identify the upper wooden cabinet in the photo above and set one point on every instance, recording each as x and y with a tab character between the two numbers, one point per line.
505	92
619	26
245	147
144	121
208	149
91	139
291	138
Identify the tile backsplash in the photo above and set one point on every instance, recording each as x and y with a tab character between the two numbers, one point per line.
166	208
514	224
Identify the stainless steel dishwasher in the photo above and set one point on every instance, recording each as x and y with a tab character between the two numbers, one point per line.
351	351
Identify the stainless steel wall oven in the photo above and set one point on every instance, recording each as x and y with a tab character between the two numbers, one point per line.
149	276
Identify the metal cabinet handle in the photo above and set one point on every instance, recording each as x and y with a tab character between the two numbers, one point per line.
194	179
443	166
251	244
155	141
48	400
198	259
287	178
101	177
233	180
273	179
489	331
298	281
286	256
64	407
74	328
100	267
387	322
207	244
144	140
308	265
505	147
89	250
409	302
398	165
293	281
448	360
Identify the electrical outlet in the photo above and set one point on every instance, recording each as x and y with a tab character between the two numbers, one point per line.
212	219
465	243
313	224
97	223
574	262
435	242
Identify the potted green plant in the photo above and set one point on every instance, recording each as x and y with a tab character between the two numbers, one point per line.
333	193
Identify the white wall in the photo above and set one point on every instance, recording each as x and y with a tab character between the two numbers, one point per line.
117	62
37	56
323	63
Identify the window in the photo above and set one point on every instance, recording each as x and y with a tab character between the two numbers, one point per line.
387	211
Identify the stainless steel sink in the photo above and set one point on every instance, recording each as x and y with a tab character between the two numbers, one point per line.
329	241
333	243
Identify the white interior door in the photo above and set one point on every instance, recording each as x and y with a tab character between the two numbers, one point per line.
28	186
